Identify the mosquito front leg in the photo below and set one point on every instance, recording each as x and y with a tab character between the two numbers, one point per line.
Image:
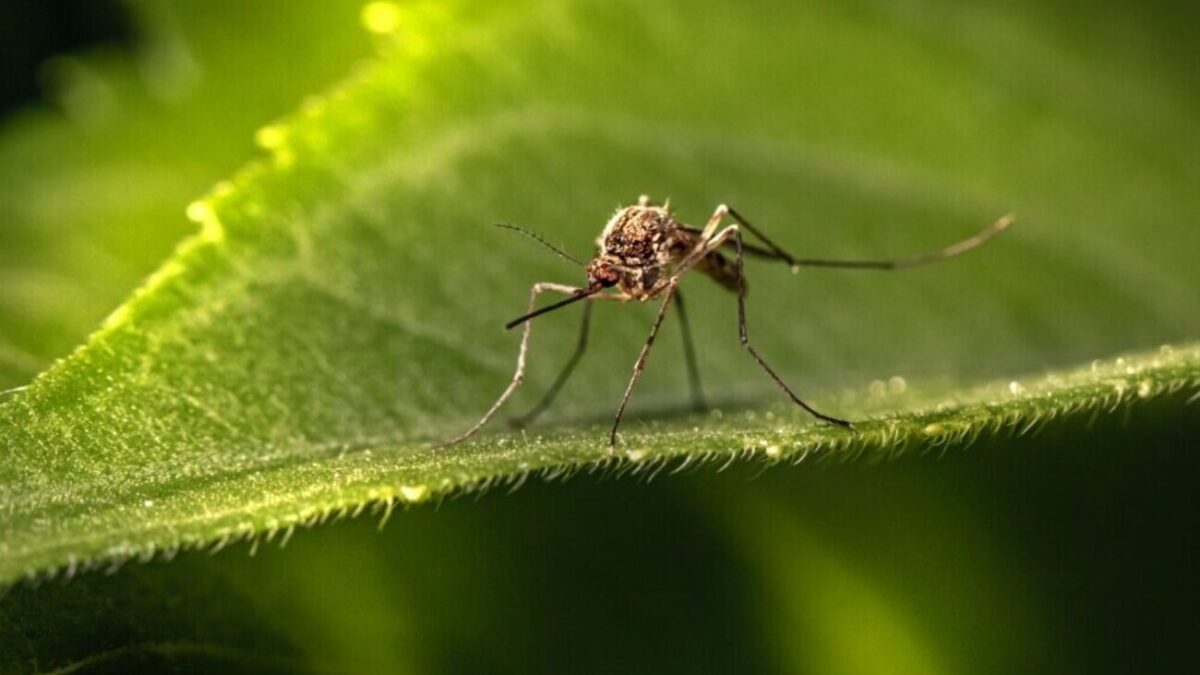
552	393
640	365
519	375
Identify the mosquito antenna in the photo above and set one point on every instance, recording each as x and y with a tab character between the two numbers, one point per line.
538	238
950	251
579	295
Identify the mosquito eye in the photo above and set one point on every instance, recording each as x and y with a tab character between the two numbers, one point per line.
600	273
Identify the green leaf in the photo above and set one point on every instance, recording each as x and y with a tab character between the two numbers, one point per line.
340	307
964	564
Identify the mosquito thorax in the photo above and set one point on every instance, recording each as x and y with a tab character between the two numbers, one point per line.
638	236
637	241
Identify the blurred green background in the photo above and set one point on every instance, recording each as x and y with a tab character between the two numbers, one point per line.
1062	552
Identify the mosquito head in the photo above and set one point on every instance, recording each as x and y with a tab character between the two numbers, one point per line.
602	274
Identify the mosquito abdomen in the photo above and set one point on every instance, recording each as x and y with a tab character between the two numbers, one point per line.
719	269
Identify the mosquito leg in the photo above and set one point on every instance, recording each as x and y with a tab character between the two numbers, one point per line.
640	365
955	249
689	353
778	252
710	228
744	336
702	246
519	375
580	346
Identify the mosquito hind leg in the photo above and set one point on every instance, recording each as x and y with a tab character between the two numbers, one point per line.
732	232
580	347
772	250
519	374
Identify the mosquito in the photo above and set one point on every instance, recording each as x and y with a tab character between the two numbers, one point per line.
643	253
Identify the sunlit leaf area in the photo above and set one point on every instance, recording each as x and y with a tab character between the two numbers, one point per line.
249	285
